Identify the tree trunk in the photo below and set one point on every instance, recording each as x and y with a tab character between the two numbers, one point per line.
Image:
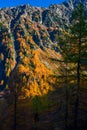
77	96
15	111
67	99
66	110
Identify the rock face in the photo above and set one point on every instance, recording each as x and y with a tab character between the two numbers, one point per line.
28	37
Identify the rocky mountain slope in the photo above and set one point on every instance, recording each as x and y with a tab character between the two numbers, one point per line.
28	39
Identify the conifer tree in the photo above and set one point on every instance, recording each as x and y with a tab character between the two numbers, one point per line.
79	38
73	45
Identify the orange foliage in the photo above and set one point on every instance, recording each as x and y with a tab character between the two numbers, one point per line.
22	69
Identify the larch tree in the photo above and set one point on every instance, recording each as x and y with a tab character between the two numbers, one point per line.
73	48
77	53
79	38
65	69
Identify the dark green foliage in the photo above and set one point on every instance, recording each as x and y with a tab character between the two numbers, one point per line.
71	46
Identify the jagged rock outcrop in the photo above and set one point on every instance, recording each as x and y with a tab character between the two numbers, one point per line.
28	38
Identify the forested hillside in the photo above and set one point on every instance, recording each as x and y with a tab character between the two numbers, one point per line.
43	67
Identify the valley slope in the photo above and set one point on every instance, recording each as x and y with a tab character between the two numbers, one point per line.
28	41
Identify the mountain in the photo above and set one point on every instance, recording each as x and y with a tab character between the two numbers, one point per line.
28	41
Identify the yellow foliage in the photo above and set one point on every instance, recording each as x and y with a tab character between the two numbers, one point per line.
1	82
22	69
1	56
25	60
30	39
35	74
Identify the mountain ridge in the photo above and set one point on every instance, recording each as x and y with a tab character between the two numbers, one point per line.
28	39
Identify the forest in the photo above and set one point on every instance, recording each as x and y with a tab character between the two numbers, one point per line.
44	89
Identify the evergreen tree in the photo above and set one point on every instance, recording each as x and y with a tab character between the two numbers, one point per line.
73	46
79	37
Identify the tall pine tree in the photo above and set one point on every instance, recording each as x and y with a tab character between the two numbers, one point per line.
73	48
79	44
